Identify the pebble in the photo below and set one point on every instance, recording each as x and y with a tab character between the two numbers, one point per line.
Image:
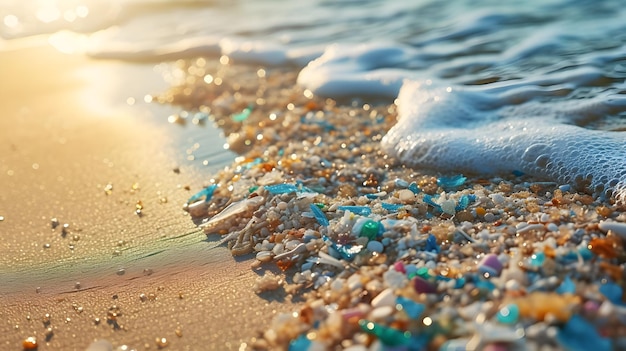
406	195
264	256
100	345
490	264
385	298
380	313
375	246
616	227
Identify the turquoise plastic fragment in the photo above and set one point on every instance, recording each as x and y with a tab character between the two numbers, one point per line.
508	314
412	309
391	207
281	188
243	115
567	286
302	343
319	215
451	182
370	229
387	336
537	259
579	335
206	192
414	188
360	210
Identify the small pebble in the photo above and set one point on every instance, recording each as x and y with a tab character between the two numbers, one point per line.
375	246
490	264
100	345
385	298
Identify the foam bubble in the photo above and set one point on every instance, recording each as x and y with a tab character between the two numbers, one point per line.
463	130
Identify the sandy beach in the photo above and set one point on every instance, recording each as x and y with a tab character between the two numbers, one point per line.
374	254
74	151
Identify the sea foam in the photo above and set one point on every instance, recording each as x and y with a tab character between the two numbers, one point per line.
525	124
438	128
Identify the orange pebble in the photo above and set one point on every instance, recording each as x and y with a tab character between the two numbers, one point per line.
480	211
30	343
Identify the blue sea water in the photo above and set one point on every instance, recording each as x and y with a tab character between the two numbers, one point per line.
483	86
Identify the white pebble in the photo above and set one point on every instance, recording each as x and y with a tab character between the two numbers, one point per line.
381	313
406	195
100	345
497	199
375	246
264	256
385	298
615	227
552	227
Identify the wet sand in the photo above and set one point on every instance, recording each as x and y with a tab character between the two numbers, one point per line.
66	133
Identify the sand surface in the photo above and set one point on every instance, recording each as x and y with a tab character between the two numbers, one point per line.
66	133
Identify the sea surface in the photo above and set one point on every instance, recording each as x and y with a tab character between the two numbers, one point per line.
484	86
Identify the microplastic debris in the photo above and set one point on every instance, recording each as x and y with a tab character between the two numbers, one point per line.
391	207
412	309
579	335
319	215
360	210
453	182
508	314
281	188
207	193
243	115
388	336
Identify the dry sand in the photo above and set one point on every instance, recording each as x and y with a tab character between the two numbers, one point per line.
66	132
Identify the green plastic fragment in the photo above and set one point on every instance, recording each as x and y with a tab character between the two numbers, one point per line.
253	189
420	272
370	229
388	336
243	115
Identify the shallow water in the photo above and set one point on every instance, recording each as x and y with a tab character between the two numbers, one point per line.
521	86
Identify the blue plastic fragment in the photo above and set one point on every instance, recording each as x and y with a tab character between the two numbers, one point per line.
451	182
412	309
518	173
360	210
346	252
612	292
372	196
206	192
431	244
401	183
319	215
567	286
579	335
429	200
464	201
414	188
391	207
585	253
281	188
565	187
302	343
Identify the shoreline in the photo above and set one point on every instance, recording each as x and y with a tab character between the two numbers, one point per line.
68	134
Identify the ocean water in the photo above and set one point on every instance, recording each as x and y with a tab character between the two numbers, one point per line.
482	86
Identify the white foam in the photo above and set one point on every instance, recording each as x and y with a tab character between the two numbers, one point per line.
459	129
366	70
